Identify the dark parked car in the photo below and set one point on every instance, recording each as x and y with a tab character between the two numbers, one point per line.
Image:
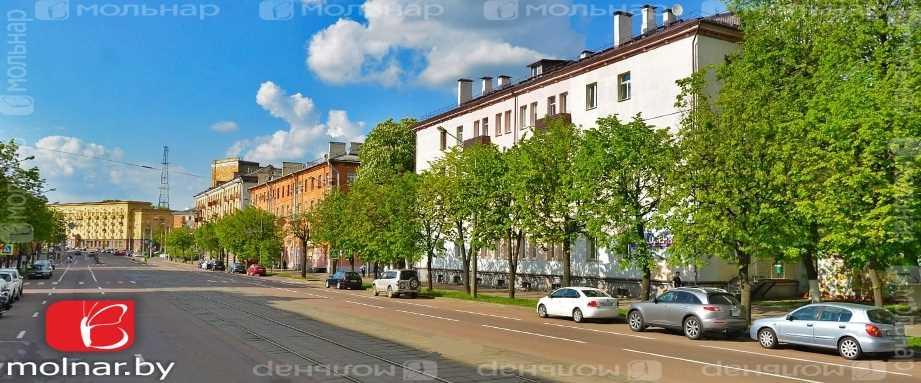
218	266
41	270
344	280
237	268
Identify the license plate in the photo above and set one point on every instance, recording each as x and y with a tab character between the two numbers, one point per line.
735	312
607	303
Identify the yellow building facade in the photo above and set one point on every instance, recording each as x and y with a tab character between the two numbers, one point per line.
110	224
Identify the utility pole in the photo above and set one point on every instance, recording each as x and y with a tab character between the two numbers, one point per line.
164	180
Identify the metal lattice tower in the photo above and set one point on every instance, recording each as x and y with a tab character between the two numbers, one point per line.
164	180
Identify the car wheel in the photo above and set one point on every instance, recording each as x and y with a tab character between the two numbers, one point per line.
339	285
390	292
374	291
693	328
767	338
413	295
327	284
849	348
577	316
542	311
636	321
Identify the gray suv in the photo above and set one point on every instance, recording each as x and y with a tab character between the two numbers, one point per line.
693	310
396	282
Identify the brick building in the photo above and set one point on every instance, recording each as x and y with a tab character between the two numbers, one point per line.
299	191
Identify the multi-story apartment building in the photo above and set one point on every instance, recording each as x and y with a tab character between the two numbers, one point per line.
637	74
184	218
226	196
110	224
299	191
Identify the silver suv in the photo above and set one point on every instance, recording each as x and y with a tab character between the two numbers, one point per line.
693	310
396	282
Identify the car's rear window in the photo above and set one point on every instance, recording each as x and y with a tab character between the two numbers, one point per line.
407	274
6	277
722	299
595	294
881	316
351	274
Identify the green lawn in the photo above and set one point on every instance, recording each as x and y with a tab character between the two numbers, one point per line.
523	302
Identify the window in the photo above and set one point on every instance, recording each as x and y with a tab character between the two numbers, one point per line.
595	293
668	297
498	124
687	298
563	97
485	131
833	314
722	299
533	121
352	177
460	134
623	86
508	121
591	250
591	96
881	316
443	139
476	128
561	293
551	105
806	313
570	293
523	117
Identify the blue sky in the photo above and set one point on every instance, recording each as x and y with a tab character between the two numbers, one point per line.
121	87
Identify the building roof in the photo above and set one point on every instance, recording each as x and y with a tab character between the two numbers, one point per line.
724	26
103	202
343	158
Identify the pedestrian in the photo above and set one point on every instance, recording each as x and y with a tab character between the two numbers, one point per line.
363	273
676	280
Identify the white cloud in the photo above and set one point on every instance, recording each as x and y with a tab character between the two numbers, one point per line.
225	127
447	40
306	135
79	171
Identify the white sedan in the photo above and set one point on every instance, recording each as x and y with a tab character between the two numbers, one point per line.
578	303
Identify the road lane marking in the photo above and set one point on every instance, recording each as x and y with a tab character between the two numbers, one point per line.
21	334
35	315
27	283
49	293
484	314
364	304
66	269
600	331
41	283
427	315
54	283
80	283
121	282
724	366
43	302
132	282
92	274
805	360
533	333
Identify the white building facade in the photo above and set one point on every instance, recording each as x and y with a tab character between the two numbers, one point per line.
635	76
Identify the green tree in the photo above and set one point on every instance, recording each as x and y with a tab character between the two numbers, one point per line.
252	234
333	224
542	180
621	174
180	241
430	213
389	150
206	238
298	226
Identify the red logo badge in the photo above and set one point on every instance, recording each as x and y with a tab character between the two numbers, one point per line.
90	326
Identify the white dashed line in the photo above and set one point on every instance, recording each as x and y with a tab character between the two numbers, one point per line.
80	283
364	304
132	282
723	366
35	315
43	302
488	315
21	334
41	283
54	283
92	274
600	331
427	315
533	333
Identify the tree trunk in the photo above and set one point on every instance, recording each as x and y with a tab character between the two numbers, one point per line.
352	261
877	286
465	259
647	273
745	284
567	264
304	258
809	264
428	267
473	267
512	265
645	280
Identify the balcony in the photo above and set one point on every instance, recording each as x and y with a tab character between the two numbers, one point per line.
481	140
542	123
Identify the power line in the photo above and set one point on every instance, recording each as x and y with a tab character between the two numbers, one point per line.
148	167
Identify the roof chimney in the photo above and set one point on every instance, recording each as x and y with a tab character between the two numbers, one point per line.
668	17
649	19
464	90
504	81
487	85
623	27
585	54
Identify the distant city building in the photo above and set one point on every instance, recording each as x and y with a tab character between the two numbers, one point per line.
184	218
299	190
114	224
230	195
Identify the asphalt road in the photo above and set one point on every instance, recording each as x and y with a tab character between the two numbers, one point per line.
219	327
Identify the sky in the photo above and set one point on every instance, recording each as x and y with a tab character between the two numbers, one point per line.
95	88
